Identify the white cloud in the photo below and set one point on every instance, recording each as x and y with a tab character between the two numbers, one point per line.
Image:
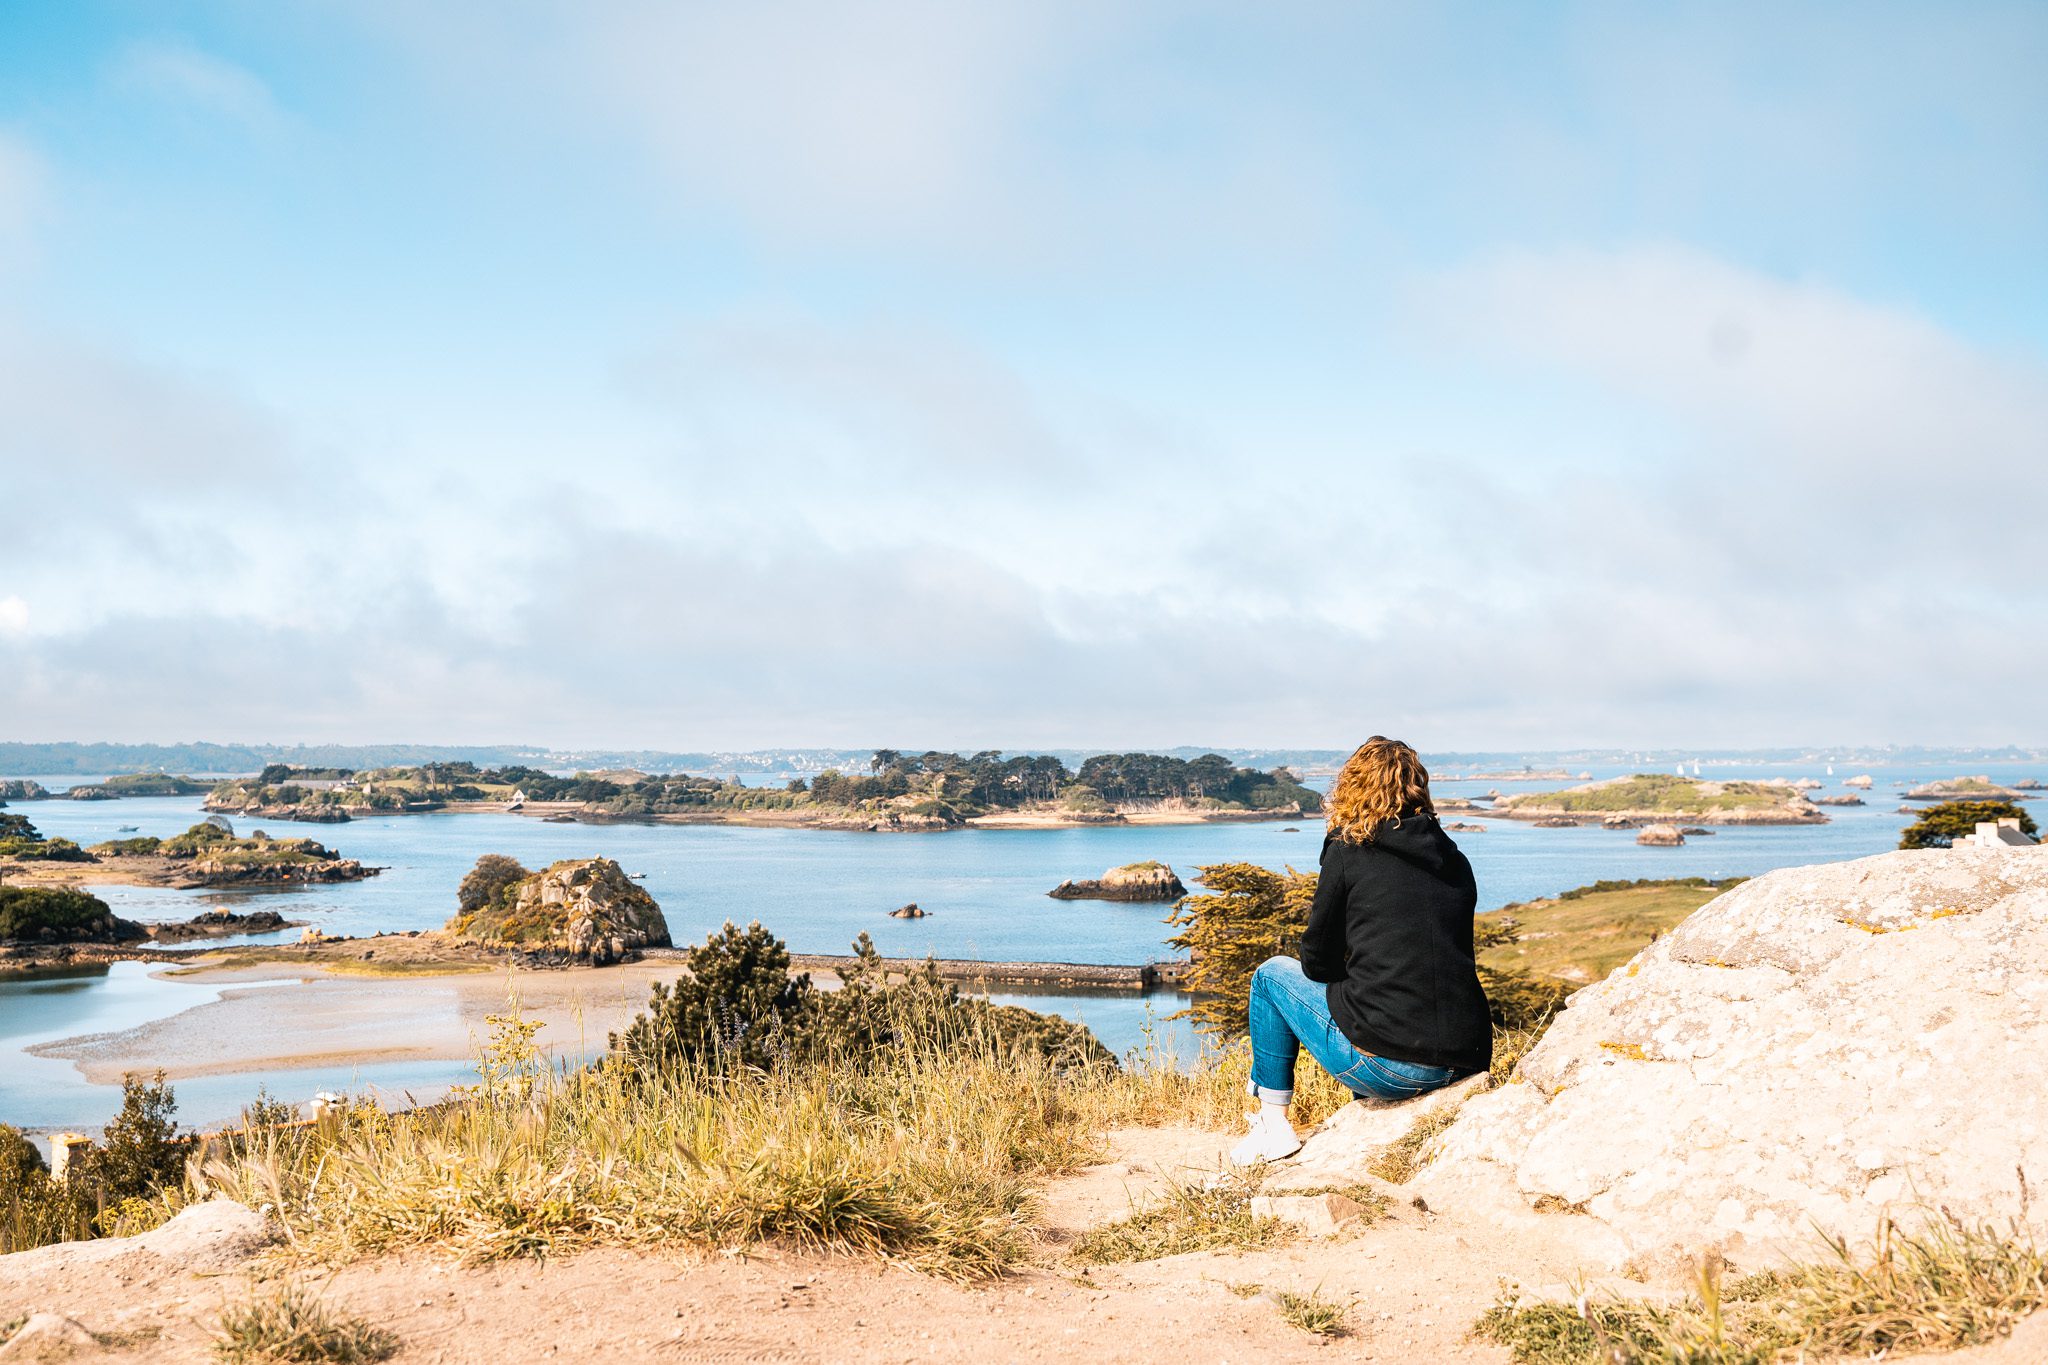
13	616
1049	136
1794	417
173	69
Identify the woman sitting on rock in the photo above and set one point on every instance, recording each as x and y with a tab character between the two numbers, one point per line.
1386	994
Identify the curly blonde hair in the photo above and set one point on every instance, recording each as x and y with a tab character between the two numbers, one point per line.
1383	781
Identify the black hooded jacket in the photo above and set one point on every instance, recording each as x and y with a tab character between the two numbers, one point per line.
1391	935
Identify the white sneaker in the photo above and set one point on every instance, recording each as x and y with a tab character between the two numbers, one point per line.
1272	1139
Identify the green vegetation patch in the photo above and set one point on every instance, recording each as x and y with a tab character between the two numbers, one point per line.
154	784
218	845
142	846
1583	934
740	1007
1661	792
22	841
58	914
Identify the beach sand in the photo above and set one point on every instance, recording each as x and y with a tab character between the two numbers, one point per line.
333	1016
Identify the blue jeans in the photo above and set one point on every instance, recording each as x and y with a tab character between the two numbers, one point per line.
1290	1012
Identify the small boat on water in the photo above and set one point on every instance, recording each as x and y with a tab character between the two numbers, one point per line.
128	829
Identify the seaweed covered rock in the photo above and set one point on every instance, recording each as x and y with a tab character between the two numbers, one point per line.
1811	1051
587	909
1151	881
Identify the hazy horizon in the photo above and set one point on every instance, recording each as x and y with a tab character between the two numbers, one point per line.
649	374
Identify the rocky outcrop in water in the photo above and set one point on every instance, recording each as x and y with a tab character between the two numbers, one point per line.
1660	836
1979	788
585	909
1131	882
220	924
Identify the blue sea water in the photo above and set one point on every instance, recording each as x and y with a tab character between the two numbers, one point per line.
984	889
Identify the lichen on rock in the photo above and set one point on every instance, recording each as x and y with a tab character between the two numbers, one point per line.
587	909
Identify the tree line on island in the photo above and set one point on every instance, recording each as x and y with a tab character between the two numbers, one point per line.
937	785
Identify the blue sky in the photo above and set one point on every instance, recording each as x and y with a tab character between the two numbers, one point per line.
694	375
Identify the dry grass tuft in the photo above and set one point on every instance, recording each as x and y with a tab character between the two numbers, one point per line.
1214	1215
1313	1313
929	1160
1400	1159
1947	1285
292	1324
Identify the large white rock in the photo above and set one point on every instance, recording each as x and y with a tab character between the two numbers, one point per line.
1812	1049
50	1337
210	1238
1343	1148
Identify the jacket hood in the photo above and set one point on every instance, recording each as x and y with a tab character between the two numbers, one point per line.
1417	839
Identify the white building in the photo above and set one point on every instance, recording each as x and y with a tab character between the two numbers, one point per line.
1999	834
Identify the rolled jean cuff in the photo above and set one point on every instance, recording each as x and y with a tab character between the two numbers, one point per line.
1269	1096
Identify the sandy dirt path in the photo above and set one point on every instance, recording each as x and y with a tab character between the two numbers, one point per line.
1415	1284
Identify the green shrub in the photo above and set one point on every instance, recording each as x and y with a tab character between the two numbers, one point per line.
740	1008
113	1189
486	883
59	914
1250	913
129	848
141	1151
38	849
1941	825
34	1209
204	835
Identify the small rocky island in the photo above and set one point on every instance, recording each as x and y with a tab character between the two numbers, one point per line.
206	855
586	910
43	928
1148	881
1979	788
1660	798
899	793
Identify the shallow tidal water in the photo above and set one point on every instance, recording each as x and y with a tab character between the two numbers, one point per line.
984	889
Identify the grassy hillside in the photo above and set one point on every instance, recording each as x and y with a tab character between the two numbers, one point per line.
1584	934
